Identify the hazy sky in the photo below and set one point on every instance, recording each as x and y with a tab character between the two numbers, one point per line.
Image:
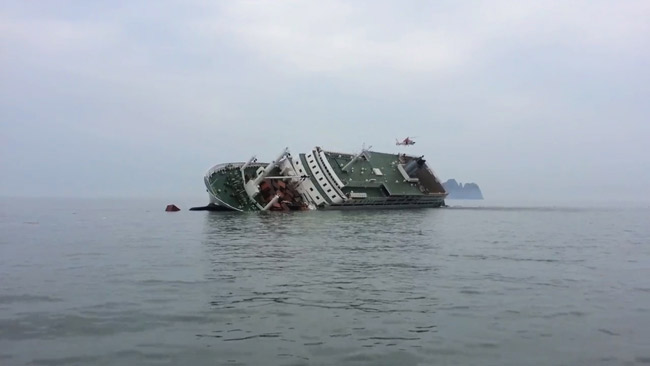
530	99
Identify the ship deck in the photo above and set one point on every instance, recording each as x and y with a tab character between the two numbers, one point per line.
225	185
361	176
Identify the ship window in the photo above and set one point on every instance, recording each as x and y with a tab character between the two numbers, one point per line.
301	170
311	161
317	197
317	172
321	178
297	163
324	184
311	189
329	190
333	196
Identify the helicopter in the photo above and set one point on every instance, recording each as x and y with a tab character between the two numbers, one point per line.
406	142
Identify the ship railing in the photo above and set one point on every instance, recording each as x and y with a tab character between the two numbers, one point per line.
219	167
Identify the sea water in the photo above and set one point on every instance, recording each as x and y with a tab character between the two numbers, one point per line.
117	282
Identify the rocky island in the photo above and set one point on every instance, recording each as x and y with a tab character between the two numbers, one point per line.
460	191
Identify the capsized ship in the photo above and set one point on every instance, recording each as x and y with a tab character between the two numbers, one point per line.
324	179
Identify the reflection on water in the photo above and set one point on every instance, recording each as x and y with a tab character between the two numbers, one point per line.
317	284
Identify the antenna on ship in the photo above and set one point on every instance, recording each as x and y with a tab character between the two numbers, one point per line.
364	152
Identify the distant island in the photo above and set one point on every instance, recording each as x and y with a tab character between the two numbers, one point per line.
460	191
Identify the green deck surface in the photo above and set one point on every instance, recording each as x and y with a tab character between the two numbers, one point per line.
228	186
359	175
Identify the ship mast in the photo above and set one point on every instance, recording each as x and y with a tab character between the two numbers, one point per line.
356	157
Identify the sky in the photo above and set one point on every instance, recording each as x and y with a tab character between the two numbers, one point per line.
541	100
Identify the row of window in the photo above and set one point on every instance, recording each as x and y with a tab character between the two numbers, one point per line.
331	175
301	171
321	178
314	166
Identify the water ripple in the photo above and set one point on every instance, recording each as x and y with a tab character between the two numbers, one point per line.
493	286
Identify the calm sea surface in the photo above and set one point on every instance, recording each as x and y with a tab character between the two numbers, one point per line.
124	283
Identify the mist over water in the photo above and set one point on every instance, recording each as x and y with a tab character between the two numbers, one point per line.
117	282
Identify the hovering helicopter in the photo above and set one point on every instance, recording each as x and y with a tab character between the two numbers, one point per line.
406	142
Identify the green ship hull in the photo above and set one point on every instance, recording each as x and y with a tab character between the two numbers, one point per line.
325	180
